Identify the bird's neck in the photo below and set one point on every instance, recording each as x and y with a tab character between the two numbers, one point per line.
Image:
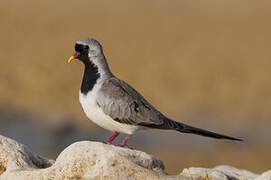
92	74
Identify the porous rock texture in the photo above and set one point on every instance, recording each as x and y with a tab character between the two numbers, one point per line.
95	160
218	173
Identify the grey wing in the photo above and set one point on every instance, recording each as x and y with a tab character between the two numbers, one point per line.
124	104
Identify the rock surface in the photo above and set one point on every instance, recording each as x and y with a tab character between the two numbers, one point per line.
219	172
94	160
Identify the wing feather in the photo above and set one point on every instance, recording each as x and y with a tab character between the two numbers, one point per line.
125	105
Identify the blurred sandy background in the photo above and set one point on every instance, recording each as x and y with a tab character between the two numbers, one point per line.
206	63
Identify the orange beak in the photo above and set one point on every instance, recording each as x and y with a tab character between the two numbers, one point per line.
73	57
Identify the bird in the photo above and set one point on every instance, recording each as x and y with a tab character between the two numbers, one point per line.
115	105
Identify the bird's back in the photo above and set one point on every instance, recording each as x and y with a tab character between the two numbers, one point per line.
124	104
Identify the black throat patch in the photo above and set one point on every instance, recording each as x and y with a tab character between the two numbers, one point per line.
91	75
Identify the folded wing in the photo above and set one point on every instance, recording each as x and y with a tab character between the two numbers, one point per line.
125	105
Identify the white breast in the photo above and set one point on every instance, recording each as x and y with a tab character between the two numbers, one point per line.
96	114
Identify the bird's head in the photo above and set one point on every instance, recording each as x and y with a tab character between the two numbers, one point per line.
87	50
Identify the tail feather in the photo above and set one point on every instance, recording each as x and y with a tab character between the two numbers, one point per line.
189	129
170	124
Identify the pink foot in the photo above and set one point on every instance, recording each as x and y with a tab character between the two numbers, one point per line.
125	140
109	140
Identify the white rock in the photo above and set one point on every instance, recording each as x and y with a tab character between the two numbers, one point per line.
264	176
235	173
15	156
203	173
94	160
86	159
218	173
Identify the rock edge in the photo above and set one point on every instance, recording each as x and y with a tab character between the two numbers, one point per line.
95	160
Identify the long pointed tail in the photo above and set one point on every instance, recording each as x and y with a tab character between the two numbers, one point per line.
171	124
189	129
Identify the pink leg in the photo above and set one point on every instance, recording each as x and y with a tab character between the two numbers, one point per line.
109	140
124	142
